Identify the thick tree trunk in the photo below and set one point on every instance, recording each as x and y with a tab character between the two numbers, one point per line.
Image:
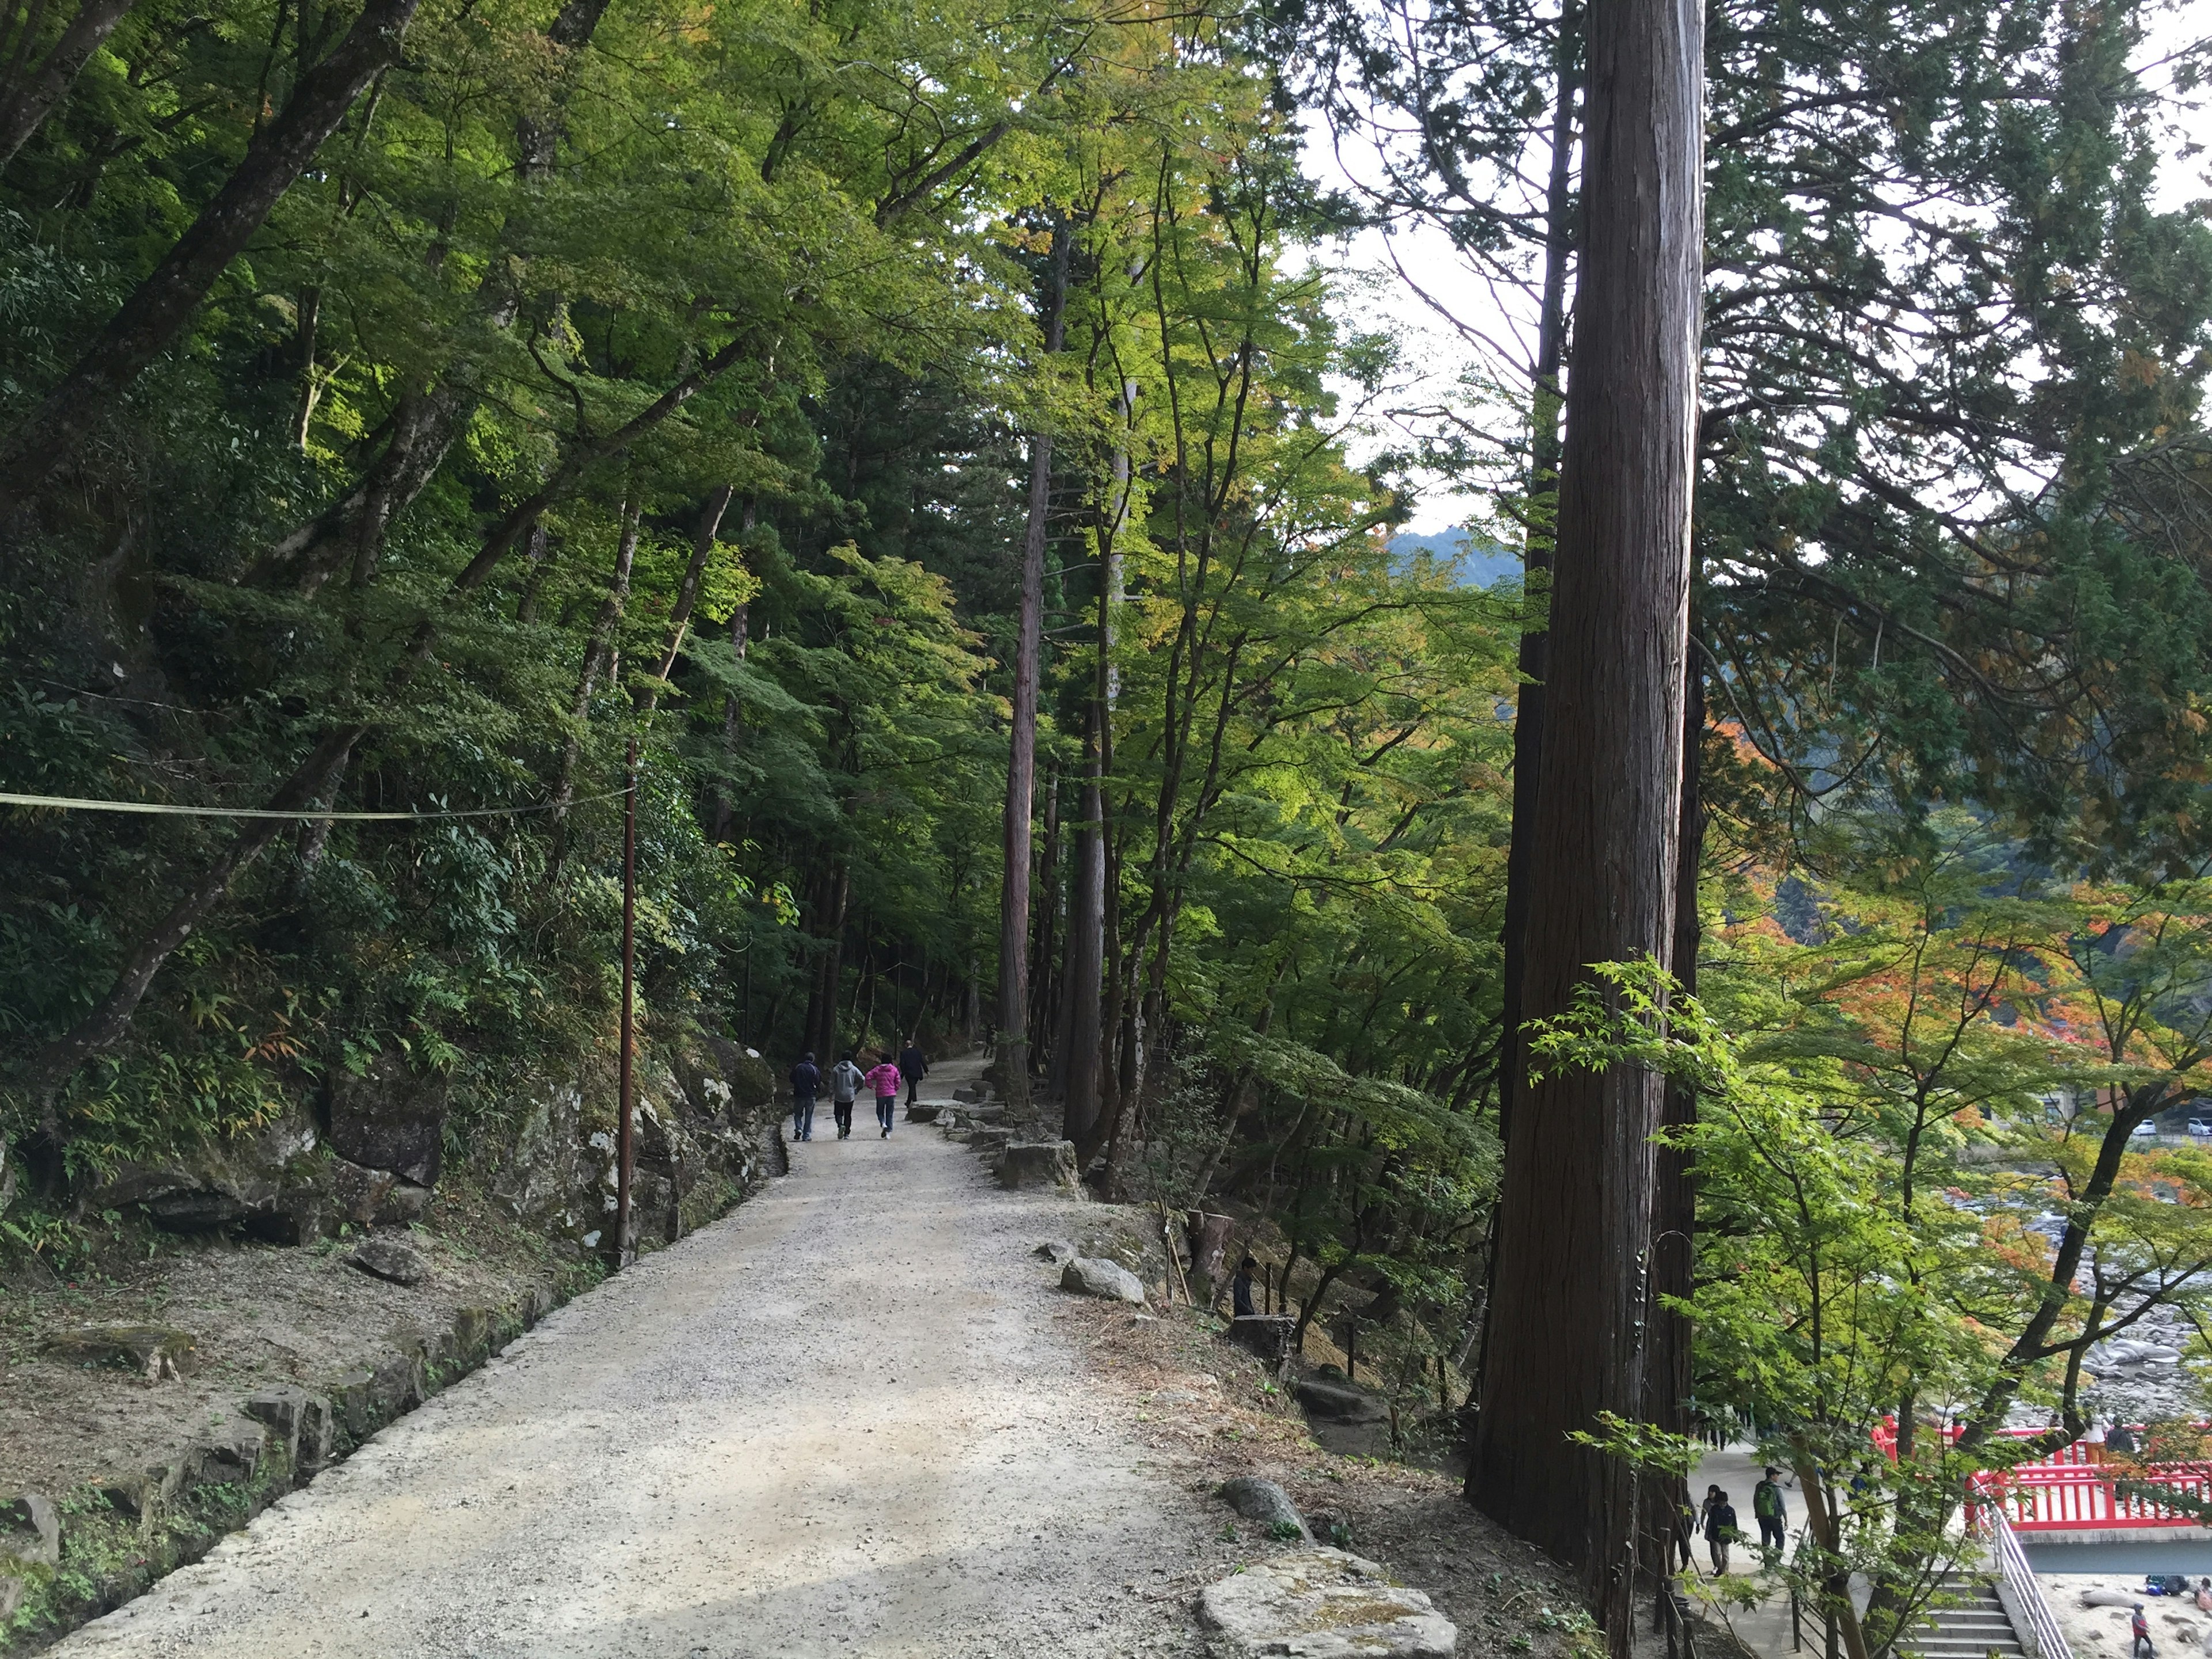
1013	1056
153	316
1668	1376
26	103
1536	557
1575	1210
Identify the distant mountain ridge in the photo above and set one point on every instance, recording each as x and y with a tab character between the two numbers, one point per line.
1481	562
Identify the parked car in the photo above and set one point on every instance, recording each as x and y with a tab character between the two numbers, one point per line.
2200	1125
2145	1130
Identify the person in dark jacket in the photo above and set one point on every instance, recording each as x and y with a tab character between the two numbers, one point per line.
1720	1528
1239	1289
805	1084
913	1067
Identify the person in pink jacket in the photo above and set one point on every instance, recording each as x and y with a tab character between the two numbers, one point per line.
886	1081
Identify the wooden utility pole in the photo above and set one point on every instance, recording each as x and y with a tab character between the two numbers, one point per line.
1575	1210
1013	1056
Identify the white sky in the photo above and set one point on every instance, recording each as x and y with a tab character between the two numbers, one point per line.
1436	354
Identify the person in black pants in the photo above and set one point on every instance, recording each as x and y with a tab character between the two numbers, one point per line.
913	1067
844	1082
805	1084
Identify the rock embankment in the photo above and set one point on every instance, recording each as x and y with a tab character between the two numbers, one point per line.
271	1303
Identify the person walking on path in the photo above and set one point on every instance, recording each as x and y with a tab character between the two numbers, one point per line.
884	1079
805	1084
1720	1528
845	1079
1771	1511
2139	1627
913	1067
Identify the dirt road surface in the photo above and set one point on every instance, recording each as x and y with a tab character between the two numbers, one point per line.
838	1422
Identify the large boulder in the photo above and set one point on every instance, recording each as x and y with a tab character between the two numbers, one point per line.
1335	1402
1266	1503
1037	1164
269	1184
1322	1604
1088	1275
391	1261
387	1118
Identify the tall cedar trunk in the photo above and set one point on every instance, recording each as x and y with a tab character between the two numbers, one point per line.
1575	1208
1083	981
1013	1058
1536	554
27	99
153	316
1536	566
1673	1201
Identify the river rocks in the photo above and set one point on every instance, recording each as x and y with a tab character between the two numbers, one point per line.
388	1259
389	1119
1322	1604
1037	1164
154	1351
1265	1502
1095	1276
1341	1403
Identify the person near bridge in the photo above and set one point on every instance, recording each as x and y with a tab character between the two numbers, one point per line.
845	1079
884	1077
805	1084
913	1067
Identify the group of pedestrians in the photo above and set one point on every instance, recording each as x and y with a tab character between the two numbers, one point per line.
847	1080
1717	1520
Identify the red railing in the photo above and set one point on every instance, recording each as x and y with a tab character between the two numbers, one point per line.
2064	1494
2075	1488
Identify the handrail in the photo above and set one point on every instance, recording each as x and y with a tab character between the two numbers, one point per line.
2044	1639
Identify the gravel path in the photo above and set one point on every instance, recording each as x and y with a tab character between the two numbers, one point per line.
838	1422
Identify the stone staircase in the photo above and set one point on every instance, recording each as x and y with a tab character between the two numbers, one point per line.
1974	1628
